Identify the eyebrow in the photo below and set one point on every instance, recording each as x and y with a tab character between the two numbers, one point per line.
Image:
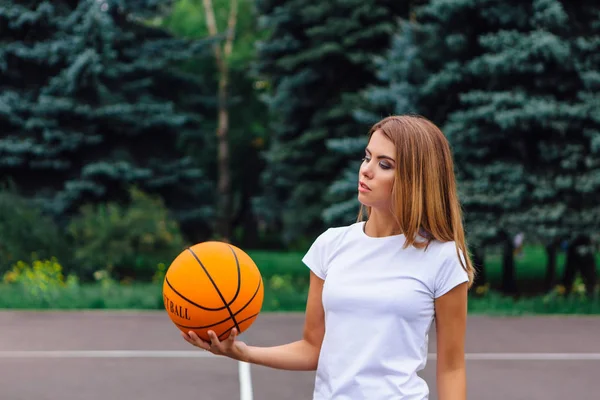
380	157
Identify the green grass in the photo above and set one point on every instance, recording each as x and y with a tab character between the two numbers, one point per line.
286	287
530	267
91	296
279	296
279	263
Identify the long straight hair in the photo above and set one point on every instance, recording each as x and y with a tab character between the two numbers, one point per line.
425	201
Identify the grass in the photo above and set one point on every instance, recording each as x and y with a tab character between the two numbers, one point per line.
278	297
530	267
286	286
91	296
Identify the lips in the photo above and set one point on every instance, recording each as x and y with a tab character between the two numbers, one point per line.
364	186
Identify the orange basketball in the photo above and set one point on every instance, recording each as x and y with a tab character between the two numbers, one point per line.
213	286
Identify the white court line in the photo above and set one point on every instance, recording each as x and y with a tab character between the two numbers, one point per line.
245	381
106	354
533	356
245	370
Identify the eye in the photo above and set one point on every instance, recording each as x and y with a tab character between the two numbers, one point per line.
366	159
384	165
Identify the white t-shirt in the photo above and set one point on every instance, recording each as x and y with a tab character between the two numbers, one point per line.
379	306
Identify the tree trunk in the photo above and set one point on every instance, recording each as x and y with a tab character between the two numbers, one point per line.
509	284
224	201
550	279
479	264
242	216
580	258
224	184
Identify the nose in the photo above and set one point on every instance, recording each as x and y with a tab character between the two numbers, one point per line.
366	170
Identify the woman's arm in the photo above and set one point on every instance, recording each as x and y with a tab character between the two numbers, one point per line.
299	355
302	354
451	321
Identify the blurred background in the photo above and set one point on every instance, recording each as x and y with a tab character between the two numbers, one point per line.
130	129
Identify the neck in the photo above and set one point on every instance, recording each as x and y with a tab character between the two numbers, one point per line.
381	224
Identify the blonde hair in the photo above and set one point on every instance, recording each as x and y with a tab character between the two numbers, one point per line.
424	194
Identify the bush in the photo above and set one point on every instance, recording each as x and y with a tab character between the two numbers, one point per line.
42	281
127	242
25	233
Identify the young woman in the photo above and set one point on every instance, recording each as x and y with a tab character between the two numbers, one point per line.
377	286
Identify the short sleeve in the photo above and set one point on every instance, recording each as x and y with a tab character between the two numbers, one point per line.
316	257
450	275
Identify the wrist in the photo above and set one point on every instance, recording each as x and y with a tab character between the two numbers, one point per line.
249	355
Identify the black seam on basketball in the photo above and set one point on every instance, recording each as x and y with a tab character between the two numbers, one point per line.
228	330
239	274
190	301
244	320
216	287
239	284
225	320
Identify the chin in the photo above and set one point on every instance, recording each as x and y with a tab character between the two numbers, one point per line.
361	200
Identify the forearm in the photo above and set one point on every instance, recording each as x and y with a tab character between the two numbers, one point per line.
452	383
297	356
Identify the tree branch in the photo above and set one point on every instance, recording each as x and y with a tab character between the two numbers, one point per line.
211	23
231	23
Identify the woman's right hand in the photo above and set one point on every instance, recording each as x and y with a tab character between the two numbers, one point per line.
230	347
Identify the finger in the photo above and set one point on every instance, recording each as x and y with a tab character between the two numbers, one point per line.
232	336
214	339
194	336
197	341
187	338
190	339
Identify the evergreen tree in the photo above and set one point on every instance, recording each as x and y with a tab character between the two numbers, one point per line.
317	59
92	102
248	120
393	93
510	84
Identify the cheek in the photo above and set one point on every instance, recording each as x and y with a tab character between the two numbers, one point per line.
389	183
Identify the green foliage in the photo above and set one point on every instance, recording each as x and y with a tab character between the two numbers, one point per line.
394	92
282	294
398	69
188	19
92	102
41	281
126	242
248	118
26	233
494	303
42	285
511	88
87	296
316	60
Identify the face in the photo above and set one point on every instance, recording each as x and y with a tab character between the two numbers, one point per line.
377	172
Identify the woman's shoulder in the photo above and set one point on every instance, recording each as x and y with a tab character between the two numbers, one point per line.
337	233
446	267
444	251
319	254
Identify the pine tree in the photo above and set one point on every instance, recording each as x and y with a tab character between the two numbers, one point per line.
248	122
317	59
511	89
393	93
92	102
